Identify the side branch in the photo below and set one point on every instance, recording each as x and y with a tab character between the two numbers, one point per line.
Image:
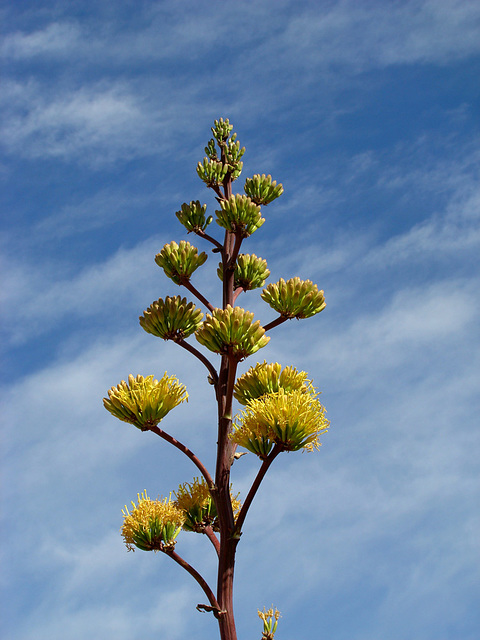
256	483
181	447
201	581
188	285
205	236
275	323
209	532
201	357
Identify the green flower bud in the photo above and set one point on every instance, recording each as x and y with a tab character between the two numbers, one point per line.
295	298
144	402
239	214
230	331
250	272
261	189
179	261
172	318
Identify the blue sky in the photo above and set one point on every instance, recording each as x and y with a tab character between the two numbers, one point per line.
368	113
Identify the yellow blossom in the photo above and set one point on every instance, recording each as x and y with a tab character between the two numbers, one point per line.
195	501
144	402
152	525
292	419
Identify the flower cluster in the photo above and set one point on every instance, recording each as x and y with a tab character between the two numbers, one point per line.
261	189
231	331
179	261
250	272
144	402
270	622
152	525
196	503
240	215
192	216
172	318
294	298
292	419
266	378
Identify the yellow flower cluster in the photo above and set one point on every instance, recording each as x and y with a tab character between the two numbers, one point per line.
144	402
292	419
152	525
197	505
270	622
179	261
269	378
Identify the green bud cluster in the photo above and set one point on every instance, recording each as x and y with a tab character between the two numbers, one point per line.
266	378
192	216
261	189
231	331
240	215
233	153
179	261
250	272
144	402
212	172
172	318
221	129
294	298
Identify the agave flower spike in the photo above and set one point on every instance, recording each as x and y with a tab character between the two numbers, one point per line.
294	298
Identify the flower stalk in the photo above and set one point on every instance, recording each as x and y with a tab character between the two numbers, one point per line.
281	411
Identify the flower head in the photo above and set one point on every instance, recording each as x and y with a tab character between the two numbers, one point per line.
292	419
268	378
192	216
294	298
179	261
270	622
231	331
144	402
196	503
261	189
250	272
152	525
171	319
240	215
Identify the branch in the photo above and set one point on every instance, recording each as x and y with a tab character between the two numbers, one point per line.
256	483
212	537
237	292
188	285
181	447
201	581
205	236
201	357
275	323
